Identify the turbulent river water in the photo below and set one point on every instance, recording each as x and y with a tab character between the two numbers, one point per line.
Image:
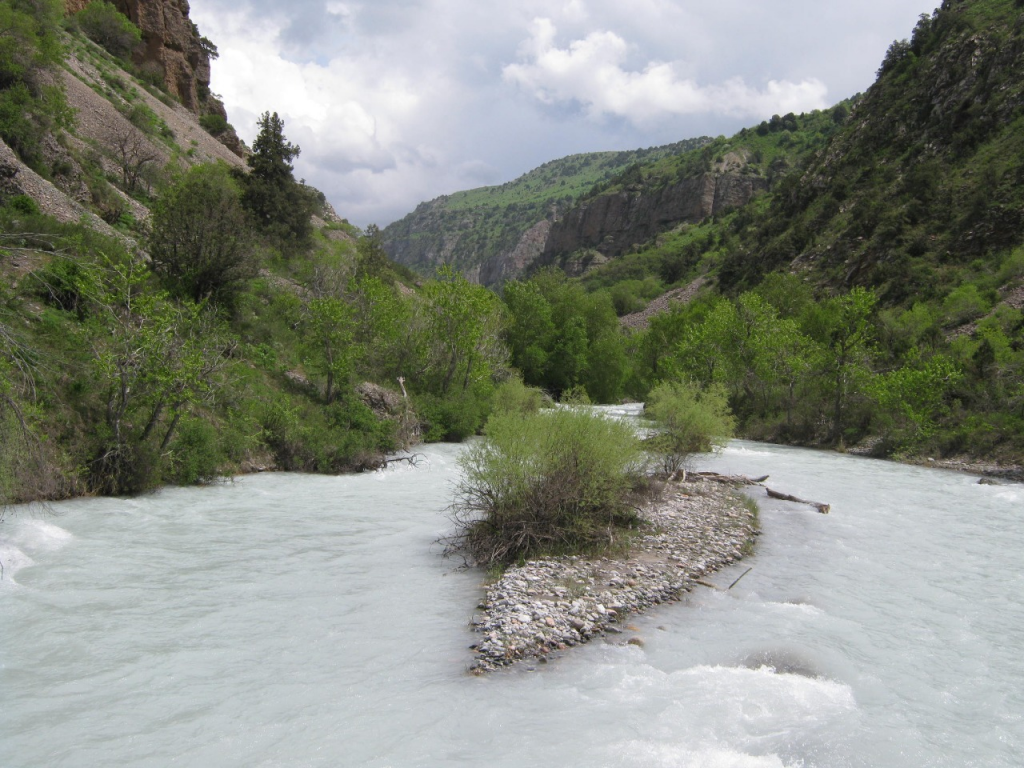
289	620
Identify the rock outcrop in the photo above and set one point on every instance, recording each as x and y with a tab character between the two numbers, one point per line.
16	178
613	223
508	266
173	48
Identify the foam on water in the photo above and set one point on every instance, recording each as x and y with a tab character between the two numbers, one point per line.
298	620
643	754
26	537
41	535
12	560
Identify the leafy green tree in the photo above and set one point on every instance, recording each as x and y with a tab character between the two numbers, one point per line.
371	258
569	357
912	399
843	327
331	327
464	324
383	322
154	361
201	242
530	329
281	206
607	367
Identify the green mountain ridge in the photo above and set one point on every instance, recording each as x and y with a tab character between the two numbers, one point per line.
478	231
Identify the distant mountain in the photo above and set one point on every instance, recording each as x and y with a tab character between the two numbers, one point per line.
492	233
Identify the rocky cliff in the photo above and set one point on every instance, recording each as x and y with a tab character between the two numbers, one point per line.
613	223
172	46
492	234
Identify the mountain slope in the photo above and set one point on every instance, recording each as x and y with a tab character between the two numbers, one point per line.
924	180
492	233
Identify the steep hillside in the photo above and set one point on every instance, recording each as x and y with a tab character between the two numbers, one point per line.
649	202
170	312
926	178
491	234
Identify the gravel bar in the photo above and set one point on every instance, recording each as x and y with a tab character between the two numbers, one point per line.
545	606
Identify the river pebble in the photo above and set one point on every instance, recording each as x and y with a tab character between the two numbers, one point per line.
546	606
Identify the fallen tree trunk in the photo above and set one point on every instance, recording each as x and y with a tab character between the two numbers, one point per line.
731	479
823	508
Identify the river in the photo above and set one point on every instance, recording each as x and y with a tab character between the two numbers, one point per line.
290	620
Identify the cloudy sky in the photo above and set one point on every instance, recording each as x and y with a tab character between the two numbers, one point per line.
398	101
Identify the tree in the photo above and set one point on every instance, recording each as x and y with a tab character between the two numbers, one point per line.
201	242
842	326
332	342
371	258
530	330
155	360
464	323
134	153
280	205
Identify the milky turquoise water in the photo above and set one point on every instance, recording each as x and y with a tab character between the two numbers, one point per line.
290	620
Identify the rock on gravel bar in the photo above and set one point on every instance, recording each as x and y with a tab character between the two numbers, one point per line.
546	606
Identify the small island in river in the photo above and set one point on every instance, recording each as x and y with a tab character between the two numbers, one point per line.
547	605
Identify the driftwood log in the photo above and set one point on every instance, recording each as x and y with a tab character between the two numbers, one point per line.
823	508
731	479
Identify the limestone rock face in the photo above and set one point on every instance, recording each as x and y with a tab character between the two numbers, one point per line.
613	223
508	266
171	46
170	41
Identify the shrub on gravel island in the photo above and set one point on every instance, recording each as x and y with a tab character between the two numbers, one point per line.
692	420
560	481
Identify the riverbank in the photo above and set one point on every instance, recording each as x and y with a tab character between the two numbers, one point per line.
539	609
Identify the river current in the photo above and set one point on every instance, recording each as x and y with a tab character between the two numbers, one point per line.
290	620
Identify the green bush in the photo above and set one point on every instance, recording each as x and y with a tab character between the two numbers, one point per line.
213	124
692	420
513	396
553	482
68	284
964	304
23	204
195	456
110	29
201	243
450	418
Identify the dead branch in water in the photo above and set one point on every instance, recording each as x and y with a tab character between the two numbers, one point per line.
412	459
823	508
730	479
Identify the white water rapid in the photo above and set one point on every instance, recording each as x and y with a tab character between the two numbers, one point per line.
289	620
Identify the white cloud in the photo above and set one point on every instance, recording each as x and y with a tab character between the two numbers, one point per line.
591	72
398	101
